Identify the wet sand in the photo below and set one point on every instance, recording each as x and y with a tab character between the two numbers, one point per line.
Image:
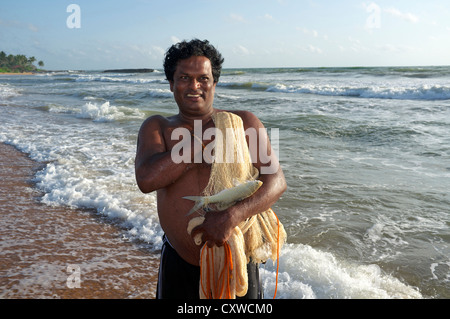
58	252
17	73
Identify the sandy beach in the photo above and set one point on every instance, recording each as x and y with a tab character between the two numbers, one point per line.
17	73
58	252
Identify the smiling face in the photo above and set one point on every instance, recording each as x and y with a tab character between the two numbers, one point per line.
193	86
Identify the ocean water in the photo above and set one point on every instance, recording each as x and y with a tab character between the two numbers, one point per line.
365	151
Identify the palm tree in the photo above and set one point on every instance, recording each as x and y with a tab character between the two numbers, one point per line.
2	59
17	63
10	59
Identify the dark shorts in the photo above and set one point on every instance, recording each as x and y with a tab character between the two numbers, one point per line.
177	279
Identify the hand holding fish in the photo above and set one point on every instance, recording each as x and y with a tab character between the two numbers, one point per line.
226	197
218	224
215	228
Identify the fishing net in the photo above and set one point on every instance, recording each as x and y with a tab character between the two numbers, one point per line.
257	239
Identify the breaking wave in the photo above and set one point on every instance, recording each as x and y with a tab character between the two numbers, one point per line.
421	92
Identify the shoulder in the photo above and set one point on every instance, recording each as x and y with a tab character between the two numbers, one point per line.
152	133
152	129
249	119
155	122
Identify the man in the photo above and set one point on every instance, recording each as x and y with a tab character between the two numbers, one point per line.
193	70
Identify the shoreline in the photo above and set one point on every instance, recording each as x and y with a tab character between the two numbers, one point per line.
63	253
17	73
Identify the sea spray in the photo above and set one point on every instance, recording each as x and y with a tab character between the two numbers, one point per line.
308	273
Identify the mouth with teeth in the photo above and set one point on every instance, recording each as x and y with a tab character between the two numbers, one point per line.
193	96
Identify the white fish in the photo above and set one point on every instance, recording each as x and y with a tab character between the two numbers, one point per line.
227	196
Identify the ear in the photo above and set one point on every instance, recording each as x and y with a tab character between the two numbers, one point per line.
171	86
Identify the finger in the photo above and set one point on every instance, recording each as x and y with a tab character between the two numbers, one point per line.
196	234
211	243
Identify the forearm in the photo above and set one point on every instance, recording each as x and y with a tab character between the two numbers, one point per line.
273	187
158	172
219	225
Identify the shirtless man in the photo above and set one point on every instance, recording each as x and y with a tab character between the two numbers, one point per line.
193	69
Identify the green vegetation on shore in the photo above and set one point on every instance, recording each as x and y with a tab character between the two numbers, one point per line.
18	63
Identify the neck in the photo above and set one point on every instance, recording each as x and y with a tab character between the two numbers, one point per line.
190	118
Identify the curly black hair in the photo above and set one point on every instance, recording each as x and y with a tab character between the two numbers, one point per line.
184	50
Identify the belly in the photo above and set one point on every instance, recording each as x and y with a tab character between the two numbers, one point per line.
172	210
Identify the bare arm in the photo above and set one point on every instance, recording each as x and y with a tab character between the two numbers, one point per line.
154	167
218	226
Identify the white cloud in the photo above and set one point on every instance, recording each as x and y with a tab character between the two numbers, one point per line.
313	49
32	28
174	39
268	17
354	46
158	51
241	50
237	18
394	48
313	33
402	15
19	24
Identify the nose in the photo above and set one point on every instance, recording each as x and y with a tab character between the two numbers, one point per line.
194	84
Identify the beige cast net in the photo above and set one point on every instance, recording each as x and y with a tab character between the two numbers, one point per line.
257	239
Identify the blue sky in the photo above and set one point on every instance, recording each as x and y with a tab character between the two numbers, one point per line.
249	33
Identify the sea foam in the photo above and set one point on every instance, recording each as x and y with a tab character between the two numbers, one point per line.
106	113
7	91
423	92
308	273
